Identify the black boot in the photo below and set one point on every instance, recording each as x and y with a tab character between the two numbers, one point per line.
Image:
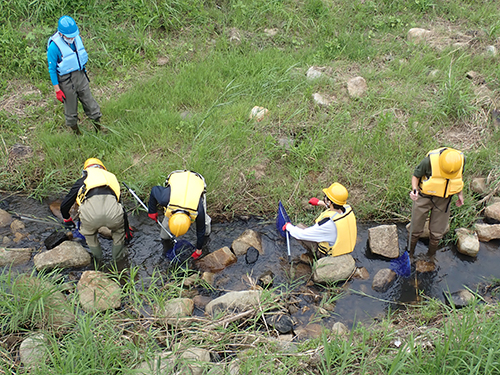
76	129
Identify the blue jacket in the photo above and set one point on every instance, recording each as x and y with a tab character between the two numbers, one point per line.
63	58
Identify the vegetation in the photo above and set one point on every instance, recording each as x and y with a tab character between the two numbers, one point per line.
176	81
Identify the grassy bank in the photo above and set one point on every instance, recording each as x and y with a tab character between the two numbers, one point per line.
430	338
176	82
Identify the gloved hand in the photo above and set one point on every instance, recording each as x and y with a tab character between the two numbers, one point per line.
69	224
284	227
196	254
60	96
314	201
154	216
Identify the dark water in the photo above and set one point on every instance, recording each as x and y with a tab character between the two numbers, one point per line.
360	303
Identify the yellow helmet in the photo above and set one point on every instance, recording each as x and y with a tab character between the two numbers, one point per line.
93	161
337	193
450	162
179	223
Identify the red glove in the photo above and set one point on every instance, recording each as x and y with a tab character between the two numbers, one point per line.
60	96
284	227
314	201
129	234
154	216
69	224
196	254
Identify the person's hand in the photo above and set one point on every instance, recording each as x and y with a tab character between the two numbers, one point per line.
69	224
196	254
460	200
60	96
414	194
314	201
154	216
284	227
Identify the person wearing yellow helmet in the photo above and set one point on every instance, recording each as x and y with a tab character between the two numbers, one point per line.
435	181
334	232
97	194
184	200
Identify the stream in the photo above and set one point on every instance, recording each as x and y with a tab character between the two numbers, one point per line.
360	303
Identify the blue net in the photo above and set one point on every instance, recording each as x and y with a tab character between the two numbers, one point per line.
401	265
281	219
180	252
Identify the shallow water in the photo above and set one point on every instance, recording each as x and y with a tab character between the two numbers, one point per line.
454	271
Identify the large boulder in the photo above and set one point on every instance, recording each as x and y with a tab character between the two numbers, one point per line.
234	301
97	292
468	242
383	240
487	232
15	256
248	238
216	261
33	350
68	254
493	211
332	269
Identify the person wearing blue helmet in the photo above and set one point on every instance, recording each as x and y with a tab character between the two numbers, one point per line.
67	57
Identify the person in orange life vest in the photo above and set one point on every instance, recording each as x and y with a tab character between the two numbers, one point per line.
185	202
435	181
335	230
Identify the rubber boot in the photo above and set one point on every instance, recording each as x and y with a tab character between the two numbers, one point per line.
76	129
413	245
97	126
118	252
97	254
433	247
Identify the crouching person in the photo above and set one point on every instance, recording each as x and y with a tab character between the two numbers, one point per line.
97	194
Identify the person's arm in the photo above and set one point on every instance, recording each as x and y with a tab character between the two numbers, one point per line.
159	196
53	57
70	198
324	231
421	170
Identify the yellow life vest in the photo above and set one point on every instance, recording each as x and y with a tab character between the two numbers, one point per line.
186	188
97	177
436	184
346	232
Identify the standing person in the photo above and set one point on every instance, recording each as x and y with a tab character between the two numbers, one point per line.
184	200
434	182
97	193
67	57
334	232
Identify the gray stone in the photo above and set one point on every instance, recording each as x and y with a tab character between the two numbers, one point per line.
383	279
97	292
5	218
383	240
322	99
332	269
17	226
417	35
493	211
460	298
478	185
15	256
314	72
468	242
217	260
177	308
310	331
33	350
234	301
161	364
196	360
283	323
487	232
249	238
491	50
356	87
339	329
252	255
361	273
67	255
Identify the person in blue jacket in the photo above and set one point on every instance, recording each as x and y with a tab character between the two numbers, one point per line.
67	57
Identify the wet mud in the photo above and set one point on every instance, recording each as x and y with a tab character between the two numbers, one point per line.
360	303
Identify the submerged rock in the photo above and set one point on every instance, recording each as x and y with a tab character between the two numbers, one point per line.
252	255
383	280
5	218
283	323
249	238
216	261
460	298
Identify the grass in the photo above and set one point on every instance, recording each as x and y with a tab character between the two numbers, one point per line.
428	338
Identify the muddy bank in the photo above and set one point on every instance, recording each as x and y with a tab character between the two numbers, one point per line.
360	302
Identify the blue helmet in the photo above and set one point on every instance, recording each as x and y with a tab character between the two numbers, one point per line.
67	27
